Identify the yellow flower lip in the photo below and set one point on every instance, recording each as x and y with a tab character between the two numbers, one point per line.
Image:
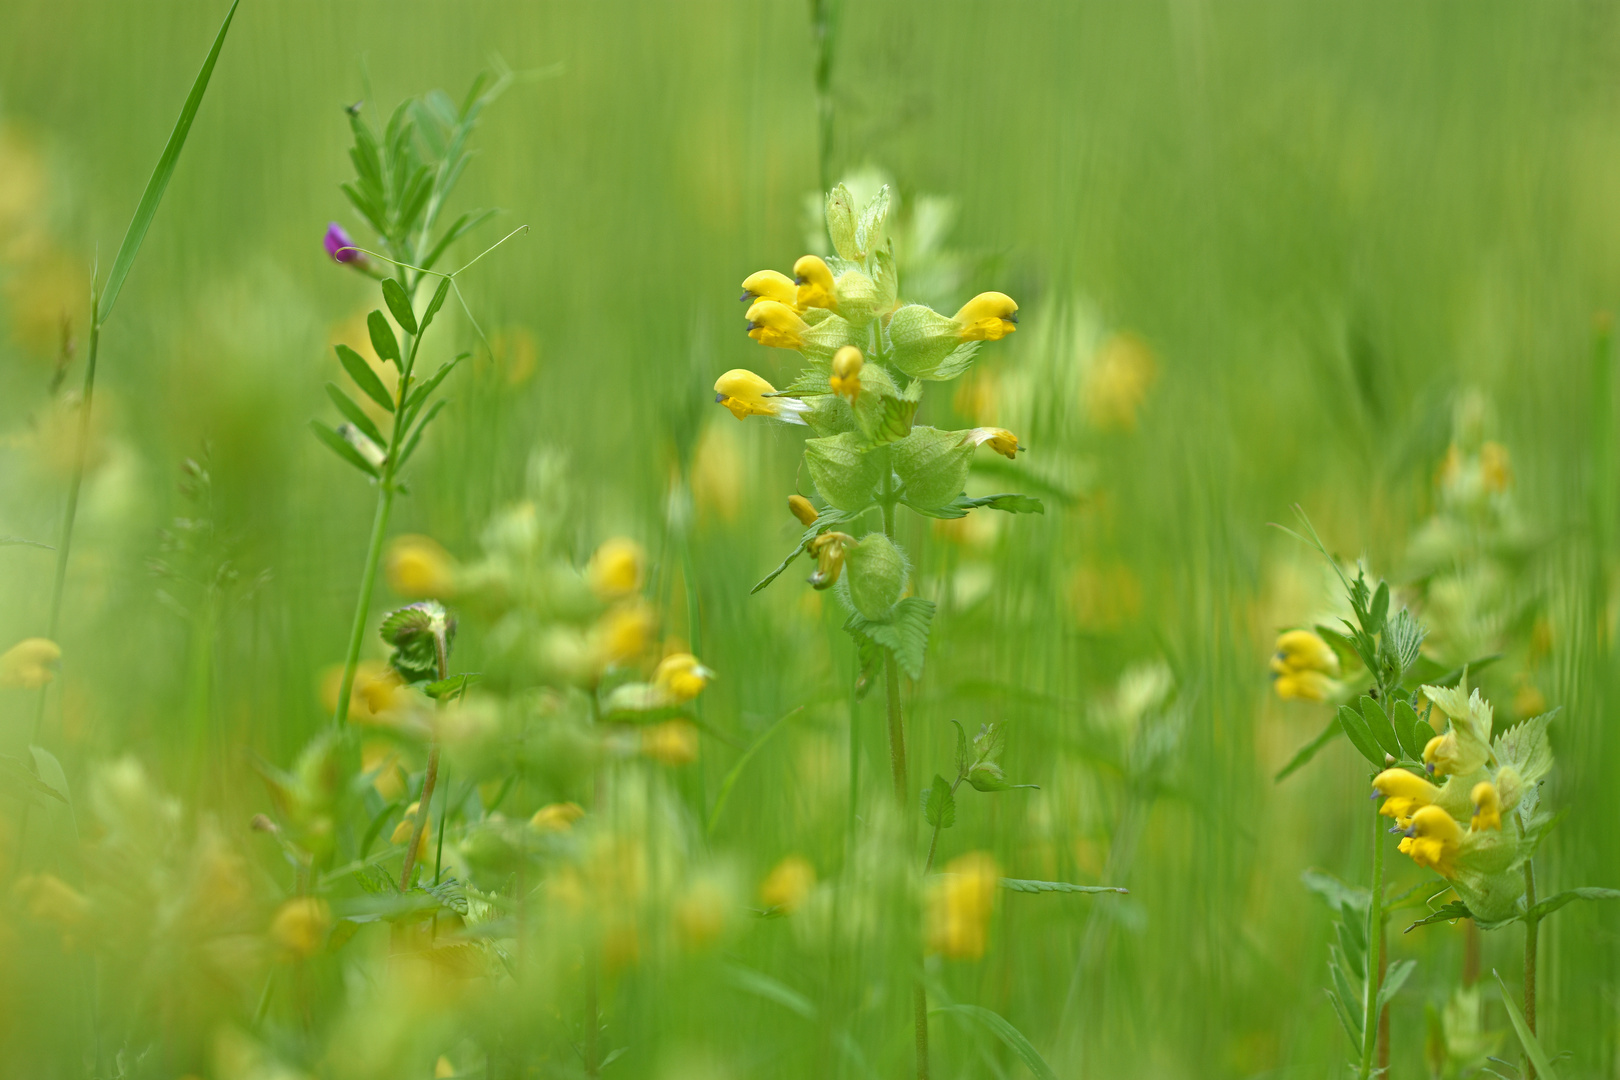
747	394
1487	806
775	324
1000	440
990	316
1404	793
768	285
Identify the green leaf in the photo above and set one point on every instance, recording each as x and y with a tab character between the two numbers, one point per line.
399	305
1527	1038
354	414
342	448
1024	885
1346	993
420	394
1352	1027
1355	728
747	755
451	687
416	436
998	1026
1383	732
939	804
436	303
159	181
1011	503
1553	903
961	748
364	377
1308	751
17	779
1379	612
905	633
1424	734
1394	979
382	337
51	774
1404	719
1449	913
1338	895
763	986
377	823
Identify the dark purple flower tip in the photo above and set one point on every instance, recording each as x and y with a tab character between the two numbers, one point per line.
340	245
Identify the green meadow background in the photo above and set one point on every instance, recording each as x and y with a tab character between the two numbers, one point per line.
1326	222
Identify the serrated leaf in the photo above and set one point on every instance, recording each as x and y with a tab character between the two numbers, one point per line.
383	340
343	448
1449	913
354	414
1025	885
364	377
1525	747
905	633
1355	729
1527	1038
1008	502
1553	903
961	748
939	804
1383	732
399	305
1015	1040
1308	751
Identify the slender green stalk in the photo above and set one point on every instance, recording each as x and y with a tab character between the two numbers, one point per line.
823	27
1532	930
368	579
1375	975
424	802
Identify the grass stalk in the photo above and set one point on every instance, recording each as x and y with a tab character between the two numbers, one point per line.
368	580
1532	931
1375	974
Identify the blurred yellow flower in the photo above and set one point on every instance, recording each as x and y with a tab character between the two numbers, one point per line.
378	688
1487	806
1117	382
1433	840
50	899
845	380
701	914
516	354
382	758
990	316
407	826
419	568
788	884
673	742
31	663
616	568
442	1069
556	817
300	926
1303	666
1495	467
960	903
681	677
622	634
719	474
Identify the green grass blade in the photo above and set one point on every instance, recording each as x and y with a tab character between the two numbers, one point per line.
1527	1038
159	183
736	770
1008	1034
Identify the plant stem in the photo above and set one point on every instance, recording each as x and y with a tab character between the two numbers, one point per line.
1375	975
424	803
823	28
1532	929
362	607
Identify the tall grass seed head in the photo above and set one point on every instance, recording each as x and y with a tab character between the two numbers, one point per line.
30	664
616	569
747	394
877	573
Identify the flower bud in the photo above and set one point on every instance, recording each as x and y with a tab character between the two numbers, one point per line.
828	550
1509	787
363	444
341	247
803	509
769	285
877	576
846	373
31	663
1487	806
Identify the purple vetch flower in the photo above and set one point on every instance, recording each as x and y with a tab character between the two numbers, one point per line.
340	245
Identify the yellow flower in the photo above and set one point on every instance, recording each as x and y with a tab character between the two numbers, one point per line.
788	884
1466	745
803	509
1487	806
829	550
407	826
998	439
300	925
1302	650
746	394
1303	686
1117	382
960	903
773	323
31	663
674	742
442	1069
769	285
1495	469
616	569
381	758
990	316
377	689
815	284
1404	794
1433	839
622	634
556	817
846	373
681	677
701	914
418	568
52	900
